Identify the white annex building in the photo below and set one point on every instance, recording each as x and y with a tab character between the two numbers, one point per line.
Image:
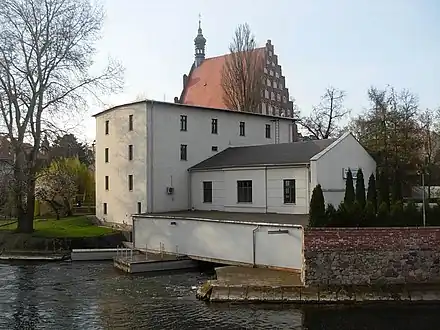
155	157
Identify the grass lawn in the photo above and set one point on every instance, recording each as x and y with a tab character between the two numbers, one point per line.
78	226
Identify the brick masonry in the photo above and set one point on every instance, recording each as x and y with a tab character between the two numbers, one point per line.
360	256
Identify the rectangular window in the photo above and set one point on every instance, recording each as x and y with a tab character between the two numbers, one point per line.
244	191
183	123
106	155
183	152
214	148
214	126
139	208
106	127
207	192
267	131
130	152
130	182
130	122
289	191
106	182
242	129
105	208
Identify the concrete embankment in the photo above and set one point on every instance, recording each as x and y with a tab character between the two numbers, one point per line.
271	286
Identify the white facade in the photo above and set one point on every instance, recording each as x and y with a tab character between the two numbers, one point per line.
328	167
222	241
156	139
267	190
325	168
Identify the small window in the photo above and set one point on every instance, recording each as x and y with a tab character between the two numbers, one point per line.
268	82
284	99
130	182
272	96
275	84
130	152
183	123
214	148
105	208
106	127
242	129
183	152
106	182
265	70
244	191
130	122
277	74
270	110
214	126
289	191
106	155
278	97
267	131
280	85
139	207
207	192
266	94
264	108
271	72
270	53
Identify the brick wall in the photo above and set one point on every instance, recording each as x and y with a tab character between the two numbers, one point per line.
372	256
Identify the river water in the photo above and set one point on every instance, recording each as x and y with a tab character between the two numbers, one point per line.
95	296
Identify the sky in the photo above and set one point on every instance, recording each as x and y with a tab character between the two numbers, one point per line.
351	45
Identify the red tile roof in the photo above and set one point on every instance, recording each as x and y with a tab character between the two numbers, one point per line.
203	87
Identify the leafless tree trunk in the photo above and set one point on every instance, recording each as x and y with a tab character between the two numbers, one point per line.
242	75
46	50
323	121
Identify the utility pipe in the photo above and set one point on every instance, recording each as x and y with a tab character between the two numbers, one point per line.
254	236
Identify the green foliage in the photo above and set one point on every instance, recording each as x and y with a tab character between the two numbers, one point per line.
396	192
412	214
384	190
331	215
397	215
349	189
369	215
355	214
372	193
317	208
382	214
360	188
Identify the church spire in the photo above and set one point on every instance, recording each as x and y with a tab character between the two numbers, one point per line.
199	43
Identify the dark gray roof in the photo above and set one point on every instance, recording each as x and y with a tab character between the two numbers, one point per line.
267	154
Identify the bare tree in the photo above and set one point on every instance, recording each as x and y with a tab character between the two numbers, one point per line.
46	51
323	121
242	75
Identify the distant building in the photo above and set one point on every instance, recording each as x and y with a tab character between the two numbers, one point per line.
202	86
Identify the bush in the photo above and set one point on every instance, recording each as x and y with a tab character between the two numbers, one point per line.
317	216
331	215
355	214
397	216
412	214
382	214
433	215
384	190
360	189
369	215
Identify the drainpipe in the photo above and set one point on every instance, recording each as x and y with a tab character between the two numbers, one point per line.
254	236
265	186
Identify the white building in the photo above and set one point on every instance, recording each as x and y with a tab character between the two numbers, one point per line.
144	150
277	178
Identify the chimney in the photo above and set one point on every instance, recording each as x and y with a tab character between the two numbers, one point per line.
185	80
176	99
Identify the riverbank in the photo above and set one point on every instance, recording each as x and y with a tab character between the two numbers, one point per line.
58	236
272	286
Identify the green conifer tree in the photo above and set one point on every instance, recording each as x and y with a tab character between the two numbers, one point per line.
349	190
360	189
317	216
372	193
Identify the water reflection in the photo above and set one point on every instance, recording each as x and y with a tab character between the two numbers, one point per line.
95	296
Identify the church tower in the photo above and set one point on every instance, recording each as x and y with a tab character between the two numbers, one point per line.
199	43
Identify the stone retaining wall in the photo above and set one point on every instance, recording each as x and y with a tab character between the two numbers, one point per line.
360	256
